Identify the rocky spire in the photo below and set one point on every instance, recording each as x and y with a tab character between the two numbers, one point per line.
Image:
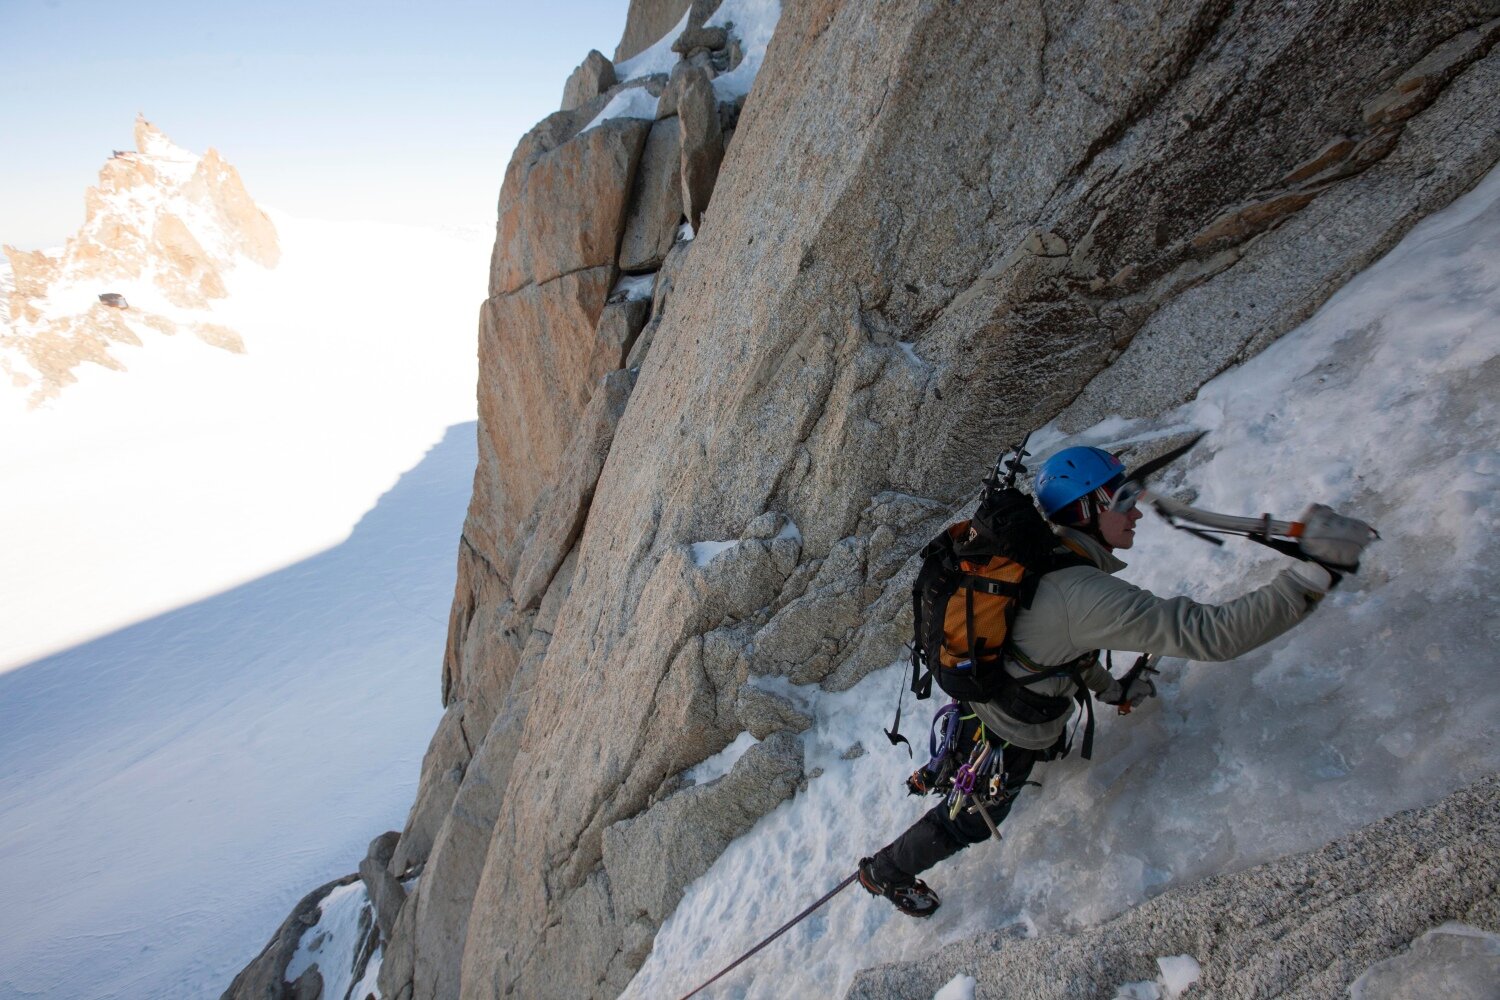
161	228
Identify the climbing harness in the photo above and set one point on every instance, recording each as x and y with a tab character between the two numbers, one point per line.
978	783
776	934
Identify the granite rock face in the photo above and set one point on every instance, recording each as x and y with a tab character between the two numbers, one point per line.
923	207
657	210
701	141
652	857
594	76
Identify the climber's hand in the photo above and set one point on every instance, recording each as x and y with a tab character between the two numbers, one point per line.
1332	540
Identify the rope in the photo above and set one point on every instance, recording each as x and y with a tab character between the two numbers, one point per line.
779	931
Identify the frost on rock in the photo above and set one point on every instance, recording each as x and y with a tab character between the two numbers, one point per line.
1178	972
750	22
340	943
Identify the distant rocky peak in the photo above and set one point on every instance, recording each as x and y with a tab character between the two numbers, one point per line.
161	230
153	142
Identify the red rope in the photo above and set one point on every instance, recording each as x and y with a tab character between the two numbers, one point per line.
779	931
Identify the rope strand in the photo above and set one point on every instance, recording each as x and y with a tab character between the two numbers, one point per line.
778	932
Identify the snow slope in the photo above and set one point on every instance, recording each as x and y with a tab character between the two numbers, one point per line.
1384	404
237	571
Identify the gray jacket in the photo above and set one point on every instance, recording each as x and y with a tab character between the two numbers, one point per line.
1084	608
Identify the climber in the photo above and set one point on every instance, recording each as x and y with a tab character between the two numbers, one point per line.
1077	609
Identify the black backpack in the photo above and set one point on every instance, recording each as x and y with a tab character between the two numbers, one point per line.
974	577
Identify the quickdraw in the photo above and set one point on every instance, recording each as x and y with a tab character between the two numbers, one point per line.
984	763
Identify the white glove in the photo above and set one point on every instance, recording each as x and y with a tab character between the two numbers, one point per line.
1332	539
1140	687
1128	696
1314	576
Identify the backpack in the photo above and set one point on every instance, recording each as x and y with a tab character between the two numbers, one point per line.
974	577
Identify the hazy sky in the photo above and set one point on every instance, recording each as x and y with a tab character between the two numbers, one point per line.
339	110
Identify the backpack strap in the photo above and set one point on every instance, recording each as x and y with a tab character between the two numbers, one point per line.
995	588
1073	669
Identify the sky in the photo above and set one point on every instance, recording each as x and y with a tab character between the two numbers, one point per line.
378	110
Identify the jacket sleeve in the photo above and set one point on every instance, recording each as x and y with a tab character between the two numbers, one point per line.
1096	677
1108	613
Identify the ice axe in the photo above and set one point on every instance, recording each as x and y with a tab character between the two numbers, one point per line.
1322	535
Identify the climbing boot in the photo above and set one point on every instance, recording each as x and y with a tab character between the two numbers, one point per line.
910	895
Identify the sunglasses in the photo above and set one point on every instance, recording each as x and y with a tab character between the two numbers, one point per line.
1127	496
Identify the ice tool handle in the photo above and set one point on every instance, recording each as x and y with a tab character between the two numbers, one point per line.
1012	465
1324	536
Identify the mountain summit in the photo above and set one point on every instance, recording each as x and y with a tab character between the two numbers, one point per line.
161	229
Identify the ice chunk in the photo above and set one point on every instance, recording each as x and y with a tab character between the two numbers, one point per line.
1453	961
634	286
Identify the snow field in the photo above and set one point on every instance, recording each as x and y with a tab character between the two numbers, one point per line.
238	569
1383	405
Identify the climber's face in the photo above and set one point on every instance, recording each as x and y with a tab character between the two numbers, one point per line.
1117	530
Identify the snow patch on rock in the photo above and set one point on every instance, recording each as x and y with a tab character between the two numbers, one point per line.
632	102
659	58
753	22
720	763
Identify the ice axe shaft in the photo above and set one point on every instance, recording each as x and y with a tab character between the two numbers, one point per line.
1263	525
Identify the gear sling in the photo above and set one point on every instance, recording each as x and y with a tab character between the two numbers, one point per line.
974	576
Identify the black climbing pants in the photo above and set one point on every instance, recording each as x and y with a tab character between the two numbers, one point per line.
935	837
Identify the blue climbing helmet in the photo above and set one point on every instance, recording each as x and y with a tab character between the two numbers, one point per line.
1074	473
